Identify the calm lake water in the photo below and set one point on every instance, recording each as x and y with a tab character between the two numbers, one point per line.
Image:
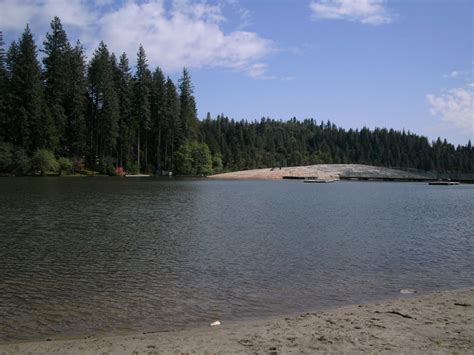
82	256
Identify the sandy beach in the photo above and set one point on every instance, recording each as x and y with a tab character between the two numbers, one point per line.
320	171
441	322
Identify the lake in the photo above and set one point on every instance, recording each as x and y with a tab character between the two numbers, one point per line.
81	256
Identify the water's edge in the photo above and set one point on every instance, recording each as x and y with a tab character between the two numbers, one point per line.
241	322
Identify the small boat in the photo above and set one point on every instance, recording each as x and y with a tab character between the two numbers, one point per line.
443	183
319	181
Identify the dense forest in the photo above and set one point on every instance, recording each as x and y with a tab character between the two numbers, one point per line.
106	115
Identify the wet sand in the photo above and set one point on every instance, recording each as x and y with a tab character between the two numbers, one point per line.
440	322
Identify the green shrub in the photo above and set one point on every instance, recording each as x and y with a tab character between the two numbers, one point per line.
202	159
193	159
184	160
21	162
131	167
44	161
6	158
107	166
217	165
65	165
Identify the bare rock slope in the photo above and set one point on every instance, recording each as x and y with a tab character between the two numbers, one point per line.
320	171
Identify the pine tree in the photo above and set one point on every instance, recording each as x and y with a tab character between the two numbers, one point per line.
10	97
105	111
3	89
159	123
75	102
188	111
124	89
142	114
171	116
57	77
30	127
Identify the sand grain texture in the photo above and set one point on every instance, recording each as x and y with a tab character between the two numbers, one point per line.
441	323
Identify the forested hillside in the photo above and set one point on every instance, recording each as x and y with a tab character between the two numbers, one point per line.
270	143
63	113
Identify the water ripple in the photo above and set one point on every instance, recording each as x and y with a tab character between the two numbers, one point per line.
79	256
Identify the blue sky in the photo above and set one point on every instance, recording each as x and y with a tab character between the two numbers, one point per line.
405	64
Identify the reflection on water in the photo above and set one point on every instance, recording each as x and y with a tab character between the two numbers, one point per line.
80	256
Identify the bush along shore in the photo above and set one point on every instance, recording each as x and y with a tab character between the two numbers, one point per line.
15	162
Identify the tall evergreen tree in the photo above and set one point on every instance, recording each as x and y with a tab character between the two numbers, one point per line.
124	89
3	88
30	127
105	113
171	116
9	101
160	126
75	103
142	112
188	111
56	78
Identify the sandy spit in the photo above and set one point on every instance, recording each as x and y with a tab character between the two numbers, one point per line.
320	171
435	323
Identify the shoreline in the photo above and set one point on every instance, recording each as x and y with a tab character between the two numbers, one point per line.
441	321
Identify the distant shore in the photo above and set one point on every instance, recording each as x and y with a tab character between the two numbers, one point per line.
317	171
438	322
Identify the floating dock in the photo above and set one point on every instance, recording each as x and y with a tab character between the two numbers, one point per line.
444	183
317	181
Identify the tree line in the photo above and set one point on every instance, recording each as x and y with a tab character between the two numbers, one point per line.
64	113
97	114
272	143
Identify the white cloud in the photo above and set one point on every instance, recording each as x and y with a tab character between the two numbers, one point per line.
257	70
14	14
458	74
245	16
298	50
17	13
370	12
454	74
454	107
103	2
184	34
